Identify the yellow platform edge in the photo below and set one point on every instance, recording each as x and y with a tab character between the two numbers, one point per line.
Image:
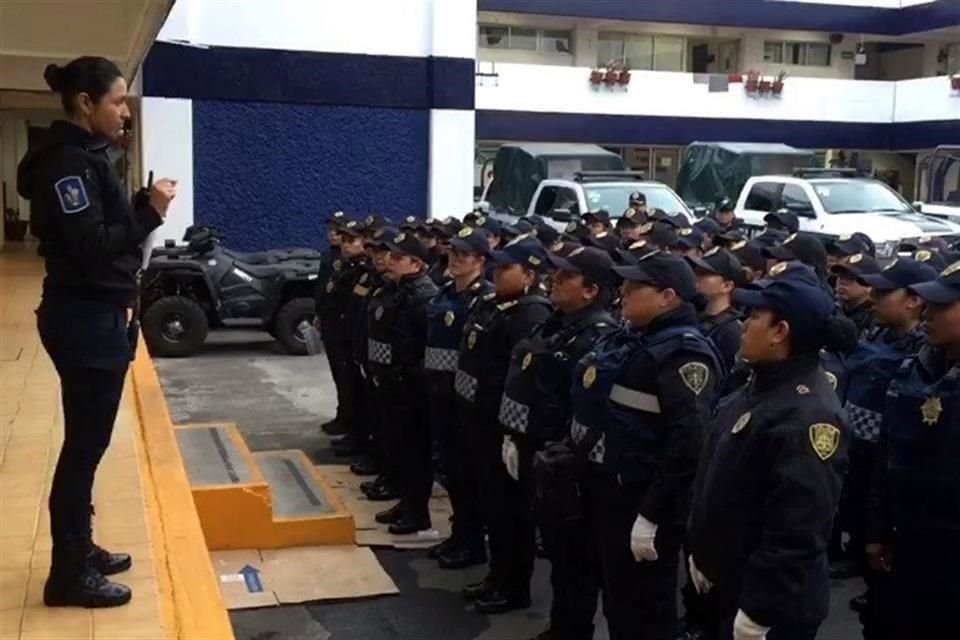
192	606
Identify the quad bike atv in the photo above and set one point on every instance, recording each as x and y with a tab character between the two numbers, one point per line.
186	290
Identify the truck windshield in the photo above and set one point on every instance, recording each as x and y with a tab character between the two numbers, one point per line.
615	198
859	196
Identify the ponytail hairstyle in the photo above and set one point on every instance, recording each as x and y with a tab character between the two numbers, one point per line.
90	75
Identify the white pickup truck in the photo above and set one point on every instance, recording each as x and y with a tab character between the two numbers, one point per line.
562	200
838	202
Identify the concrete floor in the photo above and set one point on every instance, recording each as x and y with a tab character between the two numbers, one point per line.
278	402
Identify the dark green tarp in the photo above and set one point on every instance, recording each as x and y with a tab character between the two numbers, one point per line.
712	171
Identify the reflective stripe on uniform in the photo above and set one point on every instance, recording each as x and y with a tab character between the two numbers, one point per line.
465	385
579	431
635	399
379	352
436	359
514	415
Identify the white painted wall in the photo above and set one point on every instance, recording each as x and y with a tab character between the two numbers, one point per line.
166	139
923	99
376	27
452	140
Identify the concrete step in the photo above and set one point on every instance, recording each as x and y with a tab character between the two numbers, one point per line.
267	500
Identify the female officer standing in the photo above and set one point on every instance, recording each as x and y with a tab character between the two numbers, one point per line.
90	236
770	473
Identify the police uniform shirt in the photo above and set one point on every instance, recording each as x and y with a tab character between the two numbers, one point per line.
767	488
89	231
397	326
330	263
447	314
724	329
339	291
536	398
861	316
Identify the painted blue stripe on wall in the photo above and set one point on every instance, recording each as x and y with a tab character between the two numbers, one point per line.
270	175
660	130
760	14
308	77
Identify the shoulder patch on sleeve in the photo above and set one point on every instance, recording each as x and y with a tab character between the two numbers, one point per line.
72	194
695	376
825	439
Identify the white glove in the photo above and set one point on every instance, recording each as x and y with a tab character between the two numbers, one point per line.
700	582
642	536
510	457
746	629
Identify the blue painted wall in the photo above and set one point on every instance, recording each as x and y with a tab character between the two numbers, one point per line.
270	174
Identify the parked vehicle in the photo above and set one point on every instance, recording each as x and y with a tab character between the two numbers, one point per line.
186	290
712	171
837	202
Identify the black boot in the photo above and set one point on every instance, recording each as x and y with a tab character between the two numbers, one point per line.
438	550
365	466
333	427
497	602
391	515
72	583
474	591
461	558
383	493
408	524
107	563
346	447
101	560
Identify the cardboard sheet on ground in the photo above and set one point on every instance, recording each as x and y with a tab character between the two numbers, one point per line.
253	578
369	531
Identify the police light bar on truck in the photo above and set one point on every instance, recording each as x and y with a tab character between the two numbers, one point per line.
607	176
835	172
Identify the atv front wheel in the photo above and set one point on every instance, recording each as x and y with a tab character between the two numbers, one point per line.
290	322
175	327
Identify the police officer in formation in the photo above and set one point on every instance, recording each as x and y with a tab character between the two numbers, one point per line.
90	236
914	506
643	395
498	324
396	339
447	314
535	410
601	431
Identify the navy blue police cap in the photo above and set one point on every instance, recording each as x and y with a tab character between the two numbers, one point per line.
600	215
381	237
944	290
526	251
592	262
663	270
469	240
783	219
725	205
794	291
859	264
689	238
899	274
935	259
804	247
850	244
719	261
749	253
708	226
407	244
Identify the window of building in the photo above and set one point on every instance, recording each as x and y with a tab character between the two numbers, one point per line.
645	53
953	58
525	39
806	54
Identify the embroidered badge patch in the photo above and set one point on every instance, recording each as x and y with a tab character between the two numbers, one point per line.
589	377
72	194
931	410
448	318
695	375
527	359
825	438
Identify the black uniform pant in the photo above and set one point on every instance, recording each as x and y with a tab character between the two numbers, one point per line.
408	431
449	438
719	609
851	516
639	598
926	564
472	448
334	348
352	394
573	578
88	345
511	529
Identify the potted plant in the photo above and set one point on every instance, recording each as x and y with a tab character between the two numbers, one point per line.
766	85
596	76
734	78
955	82
610	78
753	81
624	77
14	229
778	83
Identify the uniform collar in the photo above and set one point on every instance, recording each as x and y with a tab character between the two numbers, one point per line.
685	314
570	319
68	133
771	374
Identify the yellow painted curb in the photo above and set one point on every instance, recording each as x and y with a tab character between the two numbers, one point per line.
191	604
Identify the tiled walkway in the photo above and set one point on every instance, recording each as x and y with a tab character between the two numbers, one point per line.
31	428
